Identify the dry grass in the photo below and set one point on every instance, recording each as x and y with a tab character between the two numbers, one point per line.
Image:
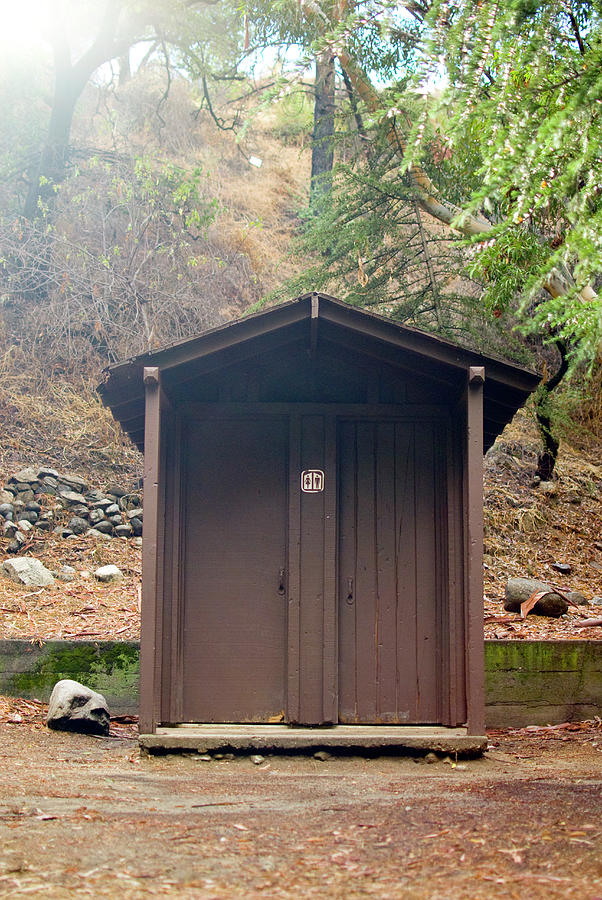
258	206
59	422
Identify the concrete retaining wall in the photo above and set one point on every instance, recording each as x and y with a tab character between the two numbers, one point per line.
110	667
527	682
542	682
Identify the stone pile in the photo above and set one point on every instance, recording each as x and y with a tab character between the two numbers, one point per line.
47	500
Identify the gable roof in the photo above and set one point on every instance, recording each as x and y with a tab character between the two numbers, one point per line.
313	315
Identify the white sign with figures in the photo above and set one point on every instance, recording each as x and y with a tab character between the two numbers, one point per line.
312	481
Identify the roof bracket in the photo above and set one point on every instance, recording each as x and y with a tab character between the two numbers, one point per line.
476	375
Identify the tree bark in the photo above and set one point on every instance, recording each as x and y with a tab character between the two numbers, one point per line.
50	170
70	81
546	461
322	154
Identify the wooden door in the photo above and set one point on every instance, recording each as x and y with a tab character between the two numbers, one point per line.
234	634
390	508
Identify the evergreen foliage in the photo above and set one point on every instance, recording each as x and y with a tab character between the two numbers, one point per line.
526	81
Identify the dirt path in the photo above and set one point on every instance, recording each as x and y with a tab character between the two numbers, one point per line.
88	816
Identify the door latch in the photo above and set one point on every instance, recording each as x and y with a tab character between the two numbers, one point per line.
281	581
350	591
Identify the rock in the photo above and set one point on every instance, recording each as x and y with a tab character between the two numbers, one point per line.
25	496
596	601
6	511
78	525
136	526
27	570
323	755
6	497
27	476
520	589
94	495
431	758
62	531
95	533
137	513
9	528
102	504
71	497
564	568
108	574
578	598
28	515
67	573
137	542
44	524
33	506
104	527
96	515
76	482
123	530
74	707
548	487
48	473
257	759
112	510
116	490
24	525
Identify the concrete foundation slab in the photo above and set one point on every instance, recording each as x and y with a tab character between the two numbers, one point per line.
245	738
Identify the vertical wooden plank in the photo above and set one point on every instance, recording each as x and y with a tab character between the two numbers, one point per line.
474	552
293	710
386	573
312	594
455	591
176	515
365	584
405	488
444	627
150	656
330	630
426	576
347	572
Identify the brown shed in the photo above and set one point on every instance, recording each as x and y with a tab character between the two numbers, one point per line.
313	522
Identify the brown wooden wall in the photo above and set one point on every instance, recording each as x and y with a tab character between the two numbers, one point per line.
276	605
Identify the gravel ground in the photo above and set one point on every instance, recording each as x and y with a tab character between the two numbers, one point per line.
85	816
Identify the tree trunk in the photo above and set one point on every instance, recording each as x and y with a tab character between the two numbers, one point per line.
546	461
322	154
49	172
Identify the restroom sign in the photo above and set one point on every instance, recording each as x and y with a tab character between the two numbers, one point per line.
312	481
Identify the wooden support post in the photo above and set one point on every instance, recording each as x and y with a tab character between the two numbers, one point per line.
475	661
313	325
150	661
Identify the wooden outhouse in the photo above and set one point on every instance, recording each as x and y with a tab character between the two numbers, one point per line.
312	548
